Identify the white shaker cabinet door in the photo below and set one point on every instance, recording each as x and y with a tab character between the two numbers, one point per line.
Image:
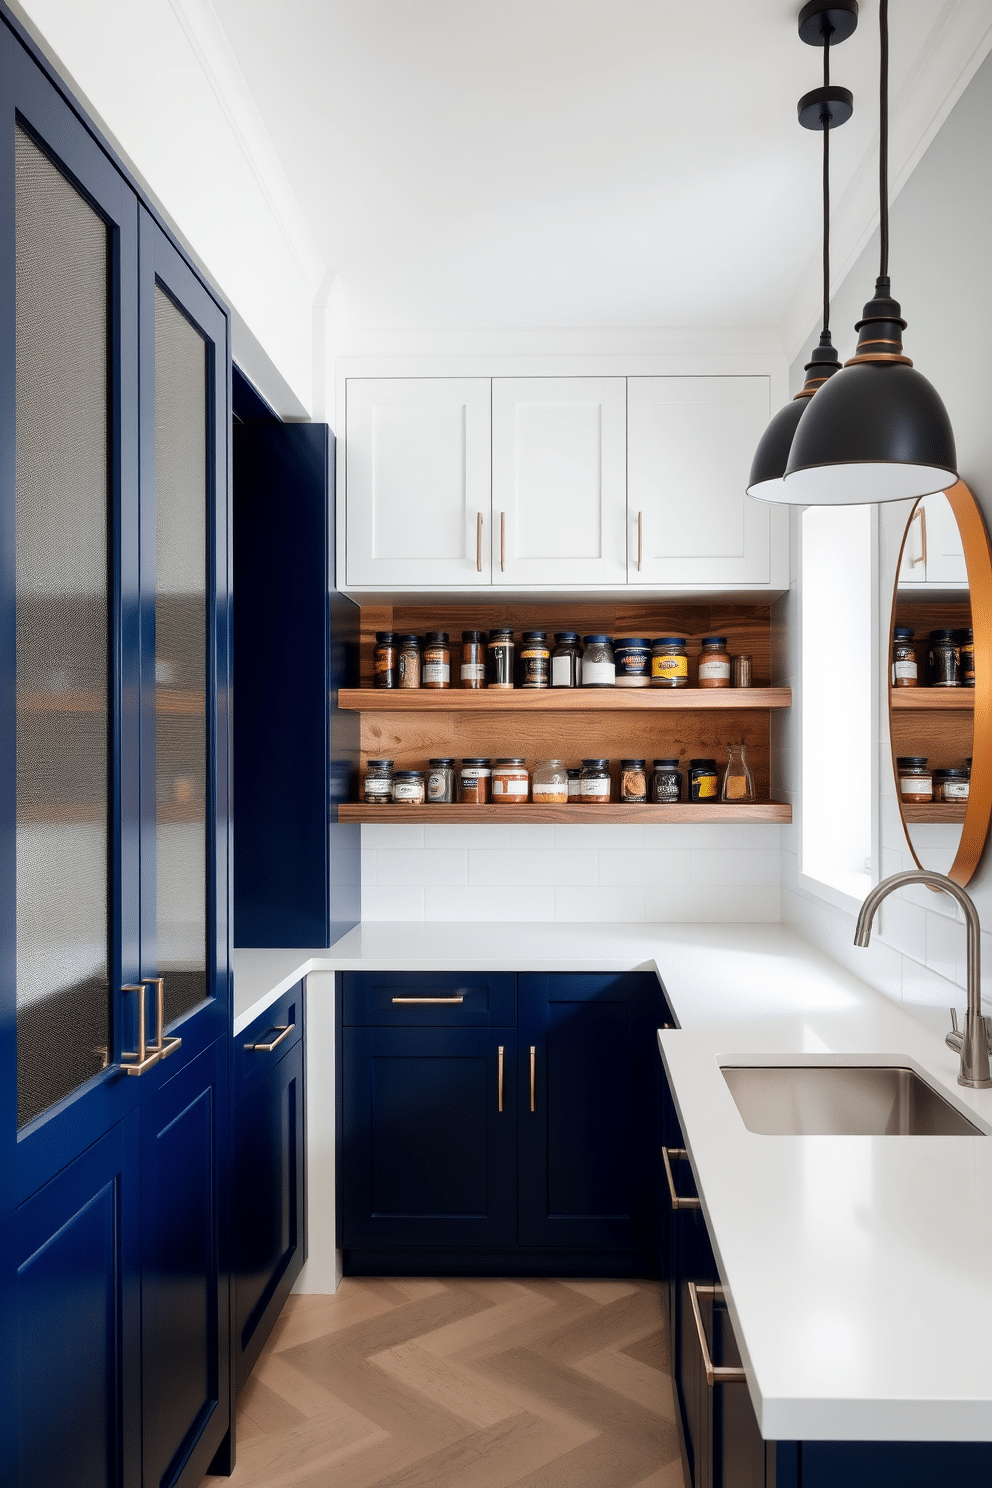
933	553
690	445
559	480
417	473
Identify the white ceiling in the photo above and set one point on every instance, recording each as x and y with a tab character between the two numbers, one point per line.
564	163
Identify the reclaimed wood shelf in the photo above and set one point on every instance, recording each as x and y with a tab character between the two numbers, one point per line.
931	699
615	811
934	811
562	699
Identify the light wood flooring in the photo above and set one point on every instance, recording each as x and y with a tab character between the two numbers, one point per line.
463	1384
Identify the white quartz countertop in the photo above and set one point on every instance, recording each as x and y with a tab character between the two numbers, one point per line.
858	1269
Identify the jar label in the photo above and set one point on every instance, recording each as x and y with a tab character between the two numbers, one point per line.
573	789
669	666
916	785
473	671
635	663
504	787
378	787
437	785
905	669
551	791
713	670
408	790
596	673
384	662
956	790
595	789
561	671
437	671
475	772
705	787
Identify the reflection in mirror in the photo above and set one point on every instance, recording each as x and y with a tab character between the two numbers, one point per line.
932	712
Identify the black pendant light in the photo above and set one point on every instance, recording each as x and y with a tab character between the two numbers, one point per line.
821	23
878	431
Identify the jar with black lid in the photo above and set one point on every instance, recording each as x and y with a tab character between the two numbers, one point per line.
441	782
535	659
566	659
473	666
905	672
594	782
666	784
598	662
574	785
474	780
943	660
633	661
915	779
385	660
408	787
703	780
378	782
501	659
410	661
966	653
633	782
436	671
669	662
952	785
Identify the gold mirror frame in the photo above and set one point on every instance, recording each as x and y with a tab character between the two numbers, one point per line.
978	563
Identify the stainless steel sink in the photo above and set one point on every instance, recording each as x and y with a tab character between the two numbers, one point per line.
842	1101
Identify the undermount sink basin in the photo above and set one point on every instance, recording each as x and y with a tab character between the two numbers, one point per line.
842	1101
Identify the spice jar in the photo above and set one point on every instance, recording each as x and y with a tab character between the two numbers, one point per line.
594	782
473	667
437	660
905	672
666	784
915	780
943	662
535	659
501	659
633	782
966	652
408	787
702	780
633	661
669	662
474	779
410	664
566	660
385	660
574	783
741	670
598	663
510	780
549	786
714	662
379	782
952	785
441	782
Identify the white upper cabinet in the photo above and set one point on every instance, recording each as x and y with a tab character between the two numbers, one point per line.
933	553
417	467
559	480
690	441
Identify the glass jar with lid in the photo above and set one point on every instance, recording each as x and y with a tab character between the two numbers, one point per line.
379	782
501	650
669	662
566	659
594	782
511	781
915	779
714	662
436	671
633	782
385	660
905	672
549	783
574	774
703	780
474	779
408	787
410	662
598	662
441	782
473	664
666	783
952	785
535	659
943	659
633	661
966	653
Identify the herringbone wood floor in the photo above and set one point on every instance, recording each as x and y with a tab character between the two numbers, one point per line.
463	1384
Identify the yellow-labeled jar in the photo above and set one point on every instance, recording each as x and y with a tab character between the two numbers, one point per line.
669	662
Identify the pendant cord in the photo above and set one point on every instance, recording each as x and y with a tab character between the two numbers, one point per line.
826	189
883	138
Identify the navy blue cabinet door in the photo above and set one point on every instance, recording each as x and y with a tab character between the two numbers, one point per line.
427	1154
589	1136
268	1211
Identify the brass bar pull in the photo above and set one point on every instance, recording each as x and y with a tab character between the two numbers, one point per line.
667	1153
445	1001
716	1374
164	1046
921	517
478	542
502	541
499	1087
640	539
143	1060
283	1030
533	1073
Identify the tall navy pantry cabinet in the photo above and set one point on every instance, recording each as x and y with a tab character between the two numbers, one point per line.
115	879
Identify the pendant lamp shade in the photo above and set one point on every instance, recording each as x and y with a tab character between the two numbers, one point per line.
767	479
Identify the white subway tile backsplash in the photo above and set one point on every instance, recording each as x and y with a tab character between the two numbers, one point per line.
392	902
424	866
531	866
599	834
741	905
617	905
496	903
652	866
392	834
903	926
725	867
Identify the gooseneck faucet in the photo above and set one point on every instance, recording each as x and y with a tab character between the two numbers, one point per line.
973	1043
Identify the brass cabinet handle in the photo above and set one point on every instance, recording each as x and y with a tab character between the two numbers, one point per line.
478	542
142	1058
444	1001
499	1088
163	1046
283	1029
640	539
677	1202
533	1073
921	517
716	1374
502	541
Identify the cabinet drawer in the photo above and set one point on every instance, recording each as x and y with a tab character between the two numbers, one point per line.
430	999
251	1061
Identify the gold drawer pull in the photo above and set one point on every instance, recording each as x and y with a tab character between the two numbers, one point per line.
283	1029
143	1058
499	1103
677	1202
163	1046
434	1001
478	542
716	1374
533	1073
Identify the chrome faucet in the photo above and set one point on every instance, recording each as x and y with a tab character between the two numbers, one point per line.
975	1043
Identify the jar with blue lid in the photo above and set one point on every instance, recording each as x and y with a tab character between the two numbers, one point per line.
598	662
632	656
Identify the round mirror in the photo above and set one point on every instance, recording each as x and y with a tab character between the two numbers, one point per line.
940	694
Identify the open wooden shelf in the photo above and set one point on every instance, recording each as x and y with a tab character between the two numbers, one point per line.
684	811
929	699
562	699
934	811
